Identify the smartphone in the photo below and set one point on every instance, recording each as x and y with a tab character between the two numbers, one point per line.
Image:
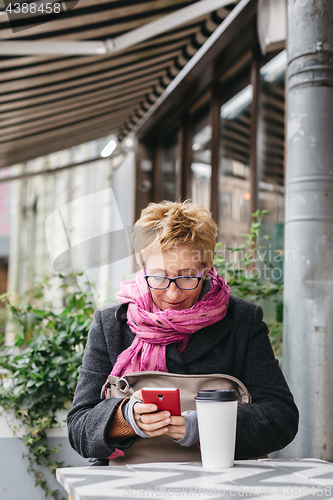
164	398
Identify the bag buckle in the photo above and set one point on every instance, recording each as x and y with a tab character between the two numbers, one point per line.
124	388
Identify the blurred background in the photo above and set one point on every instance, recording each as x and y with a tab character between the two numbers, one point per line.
106	106
80	116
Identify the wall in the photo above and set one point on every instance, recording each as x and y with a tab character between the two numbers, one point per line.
15	482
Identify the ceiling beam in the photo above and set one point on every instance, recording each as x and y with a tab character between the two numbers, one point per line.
50	171
15	152
92	69
26	130
71	62
117	44
120	92
85	83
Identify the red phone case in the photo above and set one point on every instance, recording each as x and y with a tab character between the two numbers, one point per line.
164	399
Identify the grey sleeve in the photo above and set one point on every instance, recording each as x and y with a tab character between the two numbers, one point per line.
127	410
89	416
191	429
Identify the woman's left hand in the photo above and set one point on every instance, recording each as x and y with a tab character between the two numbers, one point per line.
175	429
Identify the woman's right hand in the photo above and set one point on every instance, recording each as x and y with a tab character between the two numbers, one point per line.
152	422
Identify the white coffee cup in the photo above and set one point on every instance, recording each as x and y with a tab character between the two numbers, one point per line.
217	416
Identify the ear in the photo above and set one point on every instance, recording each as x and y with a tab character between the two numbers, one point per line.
206	271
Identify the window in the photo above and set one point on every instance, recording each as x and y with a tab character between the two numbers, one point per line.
169	166
234	172
201	170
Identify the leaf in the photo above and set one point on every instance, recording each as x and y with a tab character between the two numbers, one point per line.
17	390
57	360
44	362
29	400
19	340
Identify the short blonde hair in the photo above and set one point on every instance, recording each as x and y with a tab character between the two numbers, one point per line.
170	224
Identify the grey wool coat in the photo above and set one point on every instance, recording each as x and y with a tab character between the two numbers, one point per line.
237	345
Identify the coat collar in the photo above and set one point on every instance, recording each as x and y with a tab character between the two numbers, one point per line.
121	312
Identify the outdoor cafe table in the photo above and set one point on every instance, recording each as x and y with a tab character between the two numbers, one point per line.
308	478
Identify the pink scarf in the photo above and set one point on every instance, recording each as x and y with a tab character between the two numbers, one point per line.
155	329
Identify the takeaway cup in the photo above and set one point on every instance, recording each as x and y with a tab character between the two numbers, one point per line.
217	415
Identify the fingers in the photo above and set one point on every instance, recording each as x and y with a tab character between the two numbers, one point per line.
153	423
156	423
150	421
158	432
178	421
153	418
137	395
140	408
176	429
176	432
172	426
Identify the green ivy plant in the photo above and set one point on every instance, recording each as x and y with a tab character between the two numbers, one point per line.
42	371
242	274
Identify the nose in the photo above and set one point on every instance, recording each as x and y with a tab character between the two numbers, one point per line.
173	292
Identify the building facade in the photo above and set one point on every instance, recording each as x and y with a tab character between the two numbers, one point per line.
218	138
62	221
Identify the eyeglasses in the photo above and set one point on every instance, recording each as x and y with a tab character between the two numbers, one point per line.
182	282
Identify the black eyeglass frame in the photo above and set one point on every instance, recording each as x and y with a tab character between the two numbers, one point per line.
172	280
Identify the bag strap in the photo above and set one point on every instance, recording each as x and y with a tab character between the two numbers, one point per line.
123	385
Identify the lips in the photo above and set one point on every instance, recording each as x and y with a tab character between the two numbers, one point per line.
174	305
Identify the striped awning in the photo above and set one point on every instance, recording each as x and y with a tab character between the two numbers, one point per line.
52	101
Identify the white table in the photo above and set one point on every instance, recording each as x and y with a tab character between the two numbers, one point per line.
265	478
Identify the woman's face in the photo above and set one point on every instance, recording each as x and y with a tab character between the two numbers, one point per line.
177	261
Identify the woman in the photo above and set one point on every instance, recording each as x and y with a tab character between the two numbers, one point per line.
177	316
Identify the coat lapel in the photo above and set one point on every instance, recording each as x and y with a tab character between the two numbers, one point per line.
199	344
207	338
175	360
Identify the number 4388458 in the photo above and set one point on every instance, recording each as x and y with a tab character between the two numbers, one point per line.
34	8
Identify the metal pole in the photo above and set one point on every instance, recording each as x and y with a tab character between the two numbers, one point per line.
308	301
49	171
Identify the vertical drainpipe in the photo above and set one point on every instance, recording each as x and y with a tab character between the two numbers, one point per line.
308	298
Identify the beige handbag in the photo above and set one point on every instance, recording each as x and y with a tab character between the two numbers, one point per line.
164	448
